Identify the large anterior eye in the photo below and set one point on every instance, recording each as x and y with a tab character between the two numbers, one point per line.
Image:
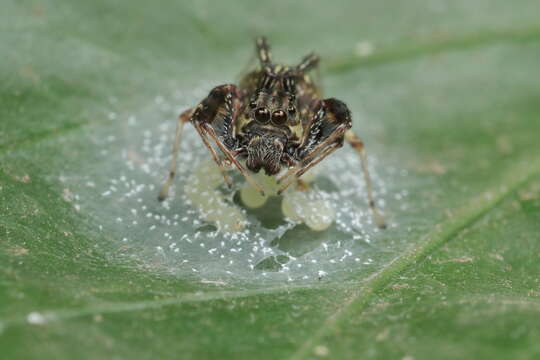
279	117
262	115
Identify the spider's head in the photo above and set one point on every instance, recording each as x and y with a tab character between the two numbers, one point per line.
271	115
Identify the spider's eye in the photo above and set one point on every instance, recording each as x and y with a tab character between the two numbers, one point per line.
279	117
262	115
253	104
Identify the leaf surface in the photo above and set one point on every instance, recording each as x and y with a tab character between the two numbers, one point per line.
445	95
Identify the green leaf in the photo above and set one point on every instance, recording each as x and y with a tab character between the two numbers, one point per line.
445	95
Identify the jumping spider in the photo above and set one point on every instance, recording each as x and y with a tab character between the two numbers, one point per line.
274	119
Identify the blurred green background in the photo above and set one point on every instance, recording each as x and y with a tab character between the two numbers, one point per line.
446	92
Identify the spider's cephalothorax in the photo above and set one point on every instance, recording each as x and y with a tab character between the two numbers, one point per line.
275	119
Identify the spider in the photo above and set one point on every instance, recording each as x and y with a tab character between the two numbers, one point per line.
275	119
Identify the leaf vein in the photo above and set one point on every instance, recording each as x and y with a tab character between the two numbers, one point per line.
514	179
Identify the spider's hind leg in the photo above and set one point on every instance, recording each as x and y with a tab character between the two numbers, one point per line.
263	51
308	62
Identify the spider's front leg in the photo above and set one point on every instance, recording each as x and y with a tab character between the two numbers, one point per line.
326	132
182	119
213	119
322	136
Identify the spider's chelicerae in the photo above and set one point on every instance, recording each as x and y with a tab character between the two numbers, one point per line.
275	119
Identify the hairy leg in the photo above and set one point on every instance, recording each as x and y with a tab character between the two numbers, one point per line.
358	145
307	166
205	131
182	119
318	153
308	62
214	120
263	51
326	133
325	129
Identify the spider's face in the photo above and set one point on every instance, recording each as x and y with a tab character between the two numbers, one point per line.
272	109
268	128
